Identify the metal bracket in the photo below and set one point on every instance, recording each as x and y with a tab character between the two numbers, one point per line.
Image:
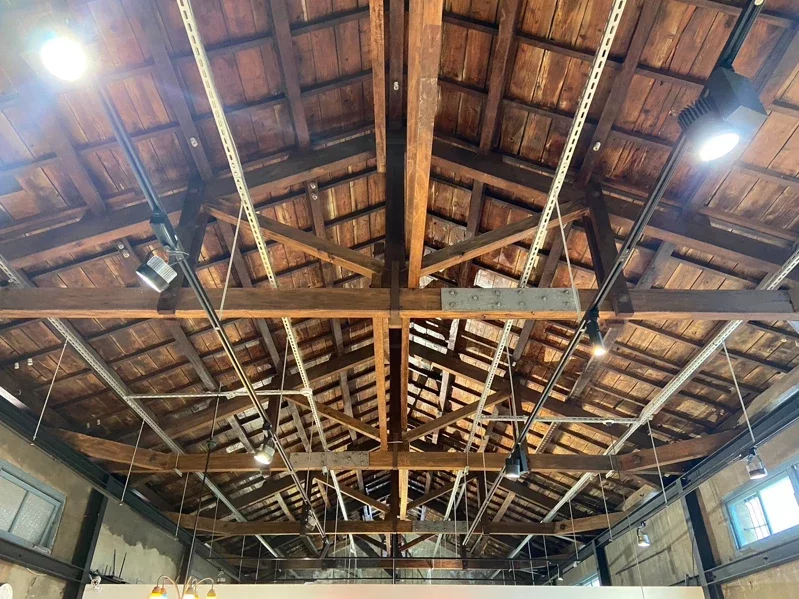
511	300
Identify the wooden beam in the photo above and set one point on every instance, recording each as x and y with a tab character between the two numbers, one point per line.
309	243
170	85
430	461
377	51
424	56
502	390
132	303
619	89
378	328
356	494
493	240
395	526
191	232
602	245
291	78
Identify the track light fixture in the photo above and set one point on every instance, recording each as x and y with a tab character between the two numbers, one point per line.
516	464
729	109
560	576
595	335
641	537
156	273
266	453
755	466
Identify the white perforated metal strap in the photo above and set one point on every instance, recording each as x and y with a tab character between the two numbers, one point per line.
237	172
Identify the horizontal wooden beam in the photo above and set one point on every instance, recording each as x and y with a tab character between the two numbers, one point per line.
407	563
648	304
395	526
308	243
115	452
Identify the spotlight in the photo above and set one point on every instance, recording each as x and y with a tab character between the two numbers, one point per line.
211	594
516	464
64	57
191	594
266	453
728	109
158	592
755	466
641	537
560	576
156	273
598	348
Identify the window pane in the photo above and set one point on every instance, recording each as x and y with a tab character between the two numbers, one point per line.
750	521
33	519
779	501
11	497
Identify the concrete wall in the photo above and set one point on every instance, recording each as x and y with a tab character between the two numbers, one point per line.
670	558
147	550
18	452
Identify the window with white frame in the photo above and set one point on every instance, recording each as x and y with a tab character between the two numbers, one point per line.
591	581
30	511
765	510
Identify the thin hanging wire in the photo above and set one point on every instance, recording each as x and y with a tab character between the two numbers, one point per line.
575	293
657	462
605	501
230	262
132	459
574	534
241	557
738	390
258	563
202	486
182	500
49	391
546	558
213	531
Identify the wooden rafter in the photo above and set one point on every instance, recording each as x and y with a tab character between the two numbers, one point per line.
424	55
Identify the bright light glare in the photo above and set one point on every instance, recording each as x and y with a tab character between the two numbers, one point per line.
718	145
65	58
599	350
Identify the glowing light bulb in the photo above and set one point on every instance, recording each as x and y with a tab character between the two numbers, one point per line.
65	58
718	145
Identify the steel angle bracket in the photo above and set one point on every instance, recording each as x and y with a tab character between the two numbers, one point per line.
510	300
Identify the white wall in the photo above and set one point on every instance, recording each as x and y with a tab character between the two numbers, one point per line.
420	591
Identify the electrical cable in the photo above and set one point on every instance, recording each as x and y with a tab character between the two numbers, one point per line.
49	391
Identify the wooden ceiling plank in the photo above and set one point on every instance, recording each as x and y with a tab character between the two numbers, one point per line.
424	56
619	90
170	85
135	219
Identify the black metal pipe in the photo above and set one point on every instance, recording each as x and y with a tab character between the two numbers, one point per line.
166	233
741	28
